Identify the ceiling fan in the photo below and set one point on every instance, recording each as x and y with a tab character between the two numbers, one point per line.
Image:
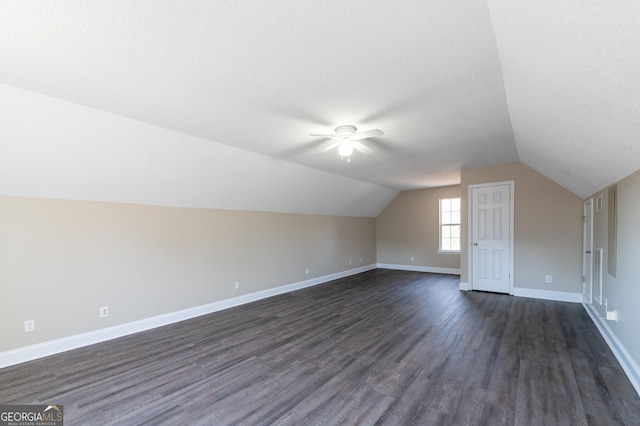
347	140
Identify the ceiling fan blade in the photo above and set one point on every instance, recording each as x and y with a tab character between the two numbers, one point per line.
367	134
328	148
324	136
362	148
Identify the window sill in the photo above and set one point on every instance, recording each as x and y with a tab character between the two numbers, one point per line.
448	252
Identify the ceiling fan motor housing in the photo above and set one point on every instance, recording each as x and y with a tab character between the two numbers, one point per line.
346	132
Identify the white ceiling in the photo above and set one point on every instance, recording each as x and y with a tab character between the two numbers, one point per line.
454	84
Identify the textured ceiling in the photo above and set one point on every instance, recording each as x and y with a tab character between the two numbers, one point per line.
261	76
572	78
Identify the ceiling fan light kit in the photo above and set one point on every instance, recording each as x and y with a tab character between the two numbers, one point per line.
348	138
345	149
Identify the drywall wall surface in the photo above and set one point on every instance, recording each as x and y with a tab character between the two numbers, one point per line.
61	260
622	292
547	228
408	227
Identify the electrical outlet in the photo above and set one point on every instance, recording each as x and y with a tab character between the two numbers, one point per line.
413	258
104	311
349	261
306	271
548	279
29	326
360	260
237	285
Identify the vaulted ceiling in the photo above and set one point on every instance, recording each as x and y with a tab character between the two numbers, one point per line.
210	103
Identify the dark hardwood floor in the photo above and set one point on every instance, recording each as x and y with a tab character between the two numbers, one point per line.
381	347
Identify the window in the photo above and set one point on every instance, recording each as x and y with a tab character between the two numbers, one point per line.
450	225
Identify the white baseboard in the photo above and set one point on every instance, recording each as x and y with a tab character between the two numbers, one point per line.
624	358
465	286
40	350
416	268
559	296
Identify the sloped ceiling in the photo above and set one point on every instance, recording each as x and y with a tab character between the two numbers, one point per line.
58	149
209	104
571	73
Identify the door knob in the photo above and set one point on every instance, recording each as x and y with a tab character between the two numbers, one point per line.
475	244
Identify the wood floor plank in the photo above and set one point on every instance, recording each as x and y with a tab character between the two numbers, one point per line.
541	404
382	347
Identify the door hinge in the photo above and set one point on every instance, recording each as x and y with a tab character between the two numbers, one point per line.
584	219
584	279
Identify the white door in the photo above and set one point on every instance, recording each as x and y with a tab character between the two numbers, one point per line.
587	259
490	237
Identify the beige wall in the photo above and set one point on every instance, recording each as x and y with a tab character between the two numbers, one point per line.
408	227
622	292
61	260
547	227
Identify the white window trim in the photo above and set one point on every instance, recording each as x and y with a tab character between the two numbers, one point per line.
440	251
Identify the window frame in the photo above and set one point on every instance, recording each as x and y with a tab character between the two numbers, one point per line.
441	225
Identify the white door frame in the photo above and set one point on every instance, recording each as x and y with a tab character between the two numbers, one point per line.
587	252
470	188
